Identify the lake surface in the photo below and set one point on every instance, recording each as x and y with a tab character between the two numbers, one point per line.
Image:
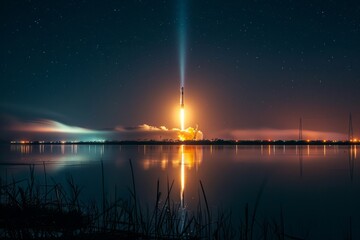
317	188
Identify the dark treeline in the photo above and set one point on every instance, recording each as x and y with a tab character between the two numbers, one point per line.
197	142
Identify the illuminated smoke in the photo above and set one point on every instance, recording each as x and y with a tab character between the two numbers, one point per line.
49	126
49	130
190	134
147	132
280	134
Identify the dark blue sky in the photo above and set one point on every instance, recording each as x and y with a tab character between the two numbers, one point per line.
249	64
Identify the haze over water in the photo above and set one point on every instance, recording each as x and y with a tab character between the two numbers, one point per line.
317	187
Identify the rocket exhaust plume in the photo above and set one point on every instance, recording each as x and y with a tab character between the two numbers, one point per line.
182	97
182	110
182	58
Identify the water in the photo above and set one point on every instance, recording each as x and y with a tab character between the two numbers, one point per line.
317	188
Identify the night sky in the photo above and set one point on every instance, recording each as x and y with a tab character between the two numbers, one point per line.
250	66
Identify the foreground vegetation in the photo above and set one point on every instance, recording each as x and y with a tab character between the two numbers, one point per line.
30	210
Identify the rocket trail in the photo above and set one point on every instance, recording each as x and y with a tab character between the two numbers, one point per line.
182	57
182	110
182	41
182	97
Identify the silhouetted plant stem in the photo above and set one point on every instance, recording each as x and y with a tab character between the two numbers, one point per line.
256	207
134	192
103	194
207	208
45	179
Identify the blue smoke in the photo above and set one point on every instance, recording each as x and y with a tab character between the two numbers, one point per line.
182	41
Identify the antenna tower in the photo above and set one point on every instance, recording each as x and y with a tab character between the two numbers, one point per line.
351	132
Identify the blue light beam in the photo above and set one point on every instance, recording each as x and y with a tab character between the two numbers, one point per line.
182	41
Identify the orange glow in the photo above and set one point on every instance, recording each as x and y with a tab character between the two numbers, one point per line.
355	152
189	157
190	134
182	176
182	119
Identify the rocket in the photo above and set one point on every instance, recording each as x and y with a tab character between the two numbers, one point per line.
182	97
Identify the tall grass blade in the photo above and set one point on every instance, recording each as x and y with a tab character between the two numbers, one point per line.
256	207
207	209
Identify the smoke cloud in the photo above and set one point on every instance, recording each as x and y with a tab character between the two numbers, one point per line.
47	130
147	132
280	134
13	129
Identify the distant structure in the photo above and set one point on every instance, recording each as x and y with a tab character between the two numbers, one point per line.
351	131
300	130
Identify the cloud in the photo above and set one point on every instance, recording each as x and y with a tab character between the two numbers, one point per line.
48	130
148	132
23	123
51	130
142	127
281	134
48	126
12	128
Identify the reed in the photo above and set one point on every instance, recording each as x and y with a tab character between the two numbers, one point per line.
31	210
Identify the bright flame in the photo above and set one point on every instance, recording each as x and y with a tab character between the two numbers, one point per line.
182	119
189	133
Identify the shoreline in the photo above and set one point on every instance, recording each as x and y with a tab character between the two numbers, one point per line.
192	142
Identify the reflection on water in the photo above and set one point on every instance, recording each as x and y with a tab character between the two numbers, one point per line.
352	157
164	157
307	181
187	158
182	189
182	177
301	160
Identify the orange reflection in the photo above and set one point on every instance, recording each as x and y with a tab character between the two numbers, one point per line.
182	176
189	156
308	150
355	151
26	149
